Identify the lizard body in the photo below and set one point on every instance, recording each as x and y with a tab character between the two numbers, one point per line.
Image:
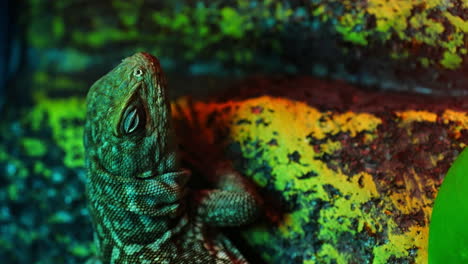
141	208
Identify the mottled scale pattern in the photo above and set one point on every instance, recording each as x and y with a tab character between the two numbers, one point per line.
141	207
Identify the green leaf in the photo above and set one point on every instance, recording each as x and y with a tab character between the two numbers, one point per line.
448	232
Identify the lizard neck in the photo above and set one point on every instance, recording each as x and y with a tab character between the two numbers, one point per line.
136	216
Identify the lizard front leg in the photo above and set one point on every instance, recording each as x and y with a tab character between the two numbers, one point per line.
233	202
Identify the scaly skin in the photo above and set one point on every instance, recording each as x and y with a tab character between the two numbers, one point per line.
141	208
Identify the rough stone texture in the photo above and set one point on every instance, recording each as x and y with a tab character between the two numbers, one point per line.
420	46
350	176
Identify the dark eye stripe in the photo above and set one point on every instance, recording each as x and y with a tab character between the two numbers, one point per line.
131	121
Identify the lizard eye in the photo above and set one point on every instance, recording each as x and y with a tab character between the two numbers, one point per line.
138	73
132	121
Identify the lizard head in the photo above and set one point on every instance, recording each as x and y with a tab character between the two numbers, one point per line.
128	132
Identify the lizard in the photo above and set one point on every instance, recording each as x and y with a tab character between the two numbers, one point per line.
141	207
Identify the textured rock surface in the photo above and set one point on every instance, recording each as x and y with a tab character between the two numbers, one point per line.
402	45
354	183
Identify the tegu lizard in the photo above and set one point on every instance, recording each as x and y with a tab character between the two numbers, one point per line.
141	208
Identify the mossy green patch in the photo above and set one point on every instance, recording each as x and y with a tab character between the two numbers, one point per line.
391	16
65	116
82	250
348	27
59	217
41	169
457	22
61	82
233	24
282	13
425	62
13	192
412	22
58	27
34	147
451	60
103	36
128	12
193	26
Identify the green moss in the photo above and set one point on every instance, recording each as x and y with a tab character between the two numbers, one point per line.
34	147
60	217
12	191
192	26
65	116
281	13
435	30
128	12
47	82
451	60
40	77
425	62
39	35
23	172
103	36
81	250
6	244
457	22
182	21
347	27
260	236
391	16
232	23
27	236
41	169
260	179
399	55
58	27
319	10
411	22
162	19
3	154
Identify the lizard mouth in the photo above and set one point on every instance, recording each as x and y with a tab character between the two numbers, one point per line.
168	209
146	175
178	177
174	181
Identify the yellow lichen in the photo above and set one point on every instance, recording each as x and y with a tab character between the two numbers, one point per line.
457	22
390	14
414	237
416	116
459	120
